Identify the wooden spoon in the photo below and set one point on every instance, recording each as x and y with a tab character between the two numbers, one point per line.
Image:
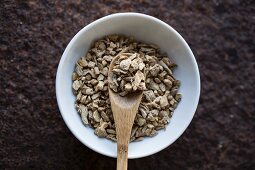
124	111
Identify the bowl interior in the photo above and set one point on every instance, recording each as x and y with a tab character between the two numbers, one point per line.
147	29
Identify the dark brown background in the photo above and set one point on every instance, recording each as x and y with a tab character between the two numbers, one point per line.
34	35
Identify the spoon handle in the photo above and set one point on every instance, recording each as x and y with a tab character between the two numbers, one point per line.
122	157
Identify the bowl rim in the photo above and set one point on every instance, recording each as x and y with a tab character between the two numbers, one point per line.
85	28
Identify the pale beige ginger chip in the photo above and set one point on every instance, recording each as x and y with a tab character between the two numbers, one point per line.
165	67
105	71
89	91
134	65
128	87
96	116
153	85
104	116
101	46
74	76
154	70
141	121
162	87
163	113
168	83
101	129
83	99
91	64
138	83
149	95
141	66
77	84
143	112
100	77
125	64
107	58
111	131
139	139
164	102
83	62
79	70
84	113
100	85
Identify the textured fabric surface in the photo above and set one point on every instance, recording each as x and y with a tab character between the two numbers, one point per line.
34	35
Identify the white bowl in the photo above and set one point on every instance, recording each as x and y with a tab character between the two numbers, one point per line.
147	29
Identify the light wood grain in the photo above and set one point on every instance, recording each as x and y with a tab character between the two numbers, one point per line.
124	111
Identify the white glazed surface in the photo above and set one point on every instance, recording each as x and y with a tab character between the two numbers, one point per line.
147	29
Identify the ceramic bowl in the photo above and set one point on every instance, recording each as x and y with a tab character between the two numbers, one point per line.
143	28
